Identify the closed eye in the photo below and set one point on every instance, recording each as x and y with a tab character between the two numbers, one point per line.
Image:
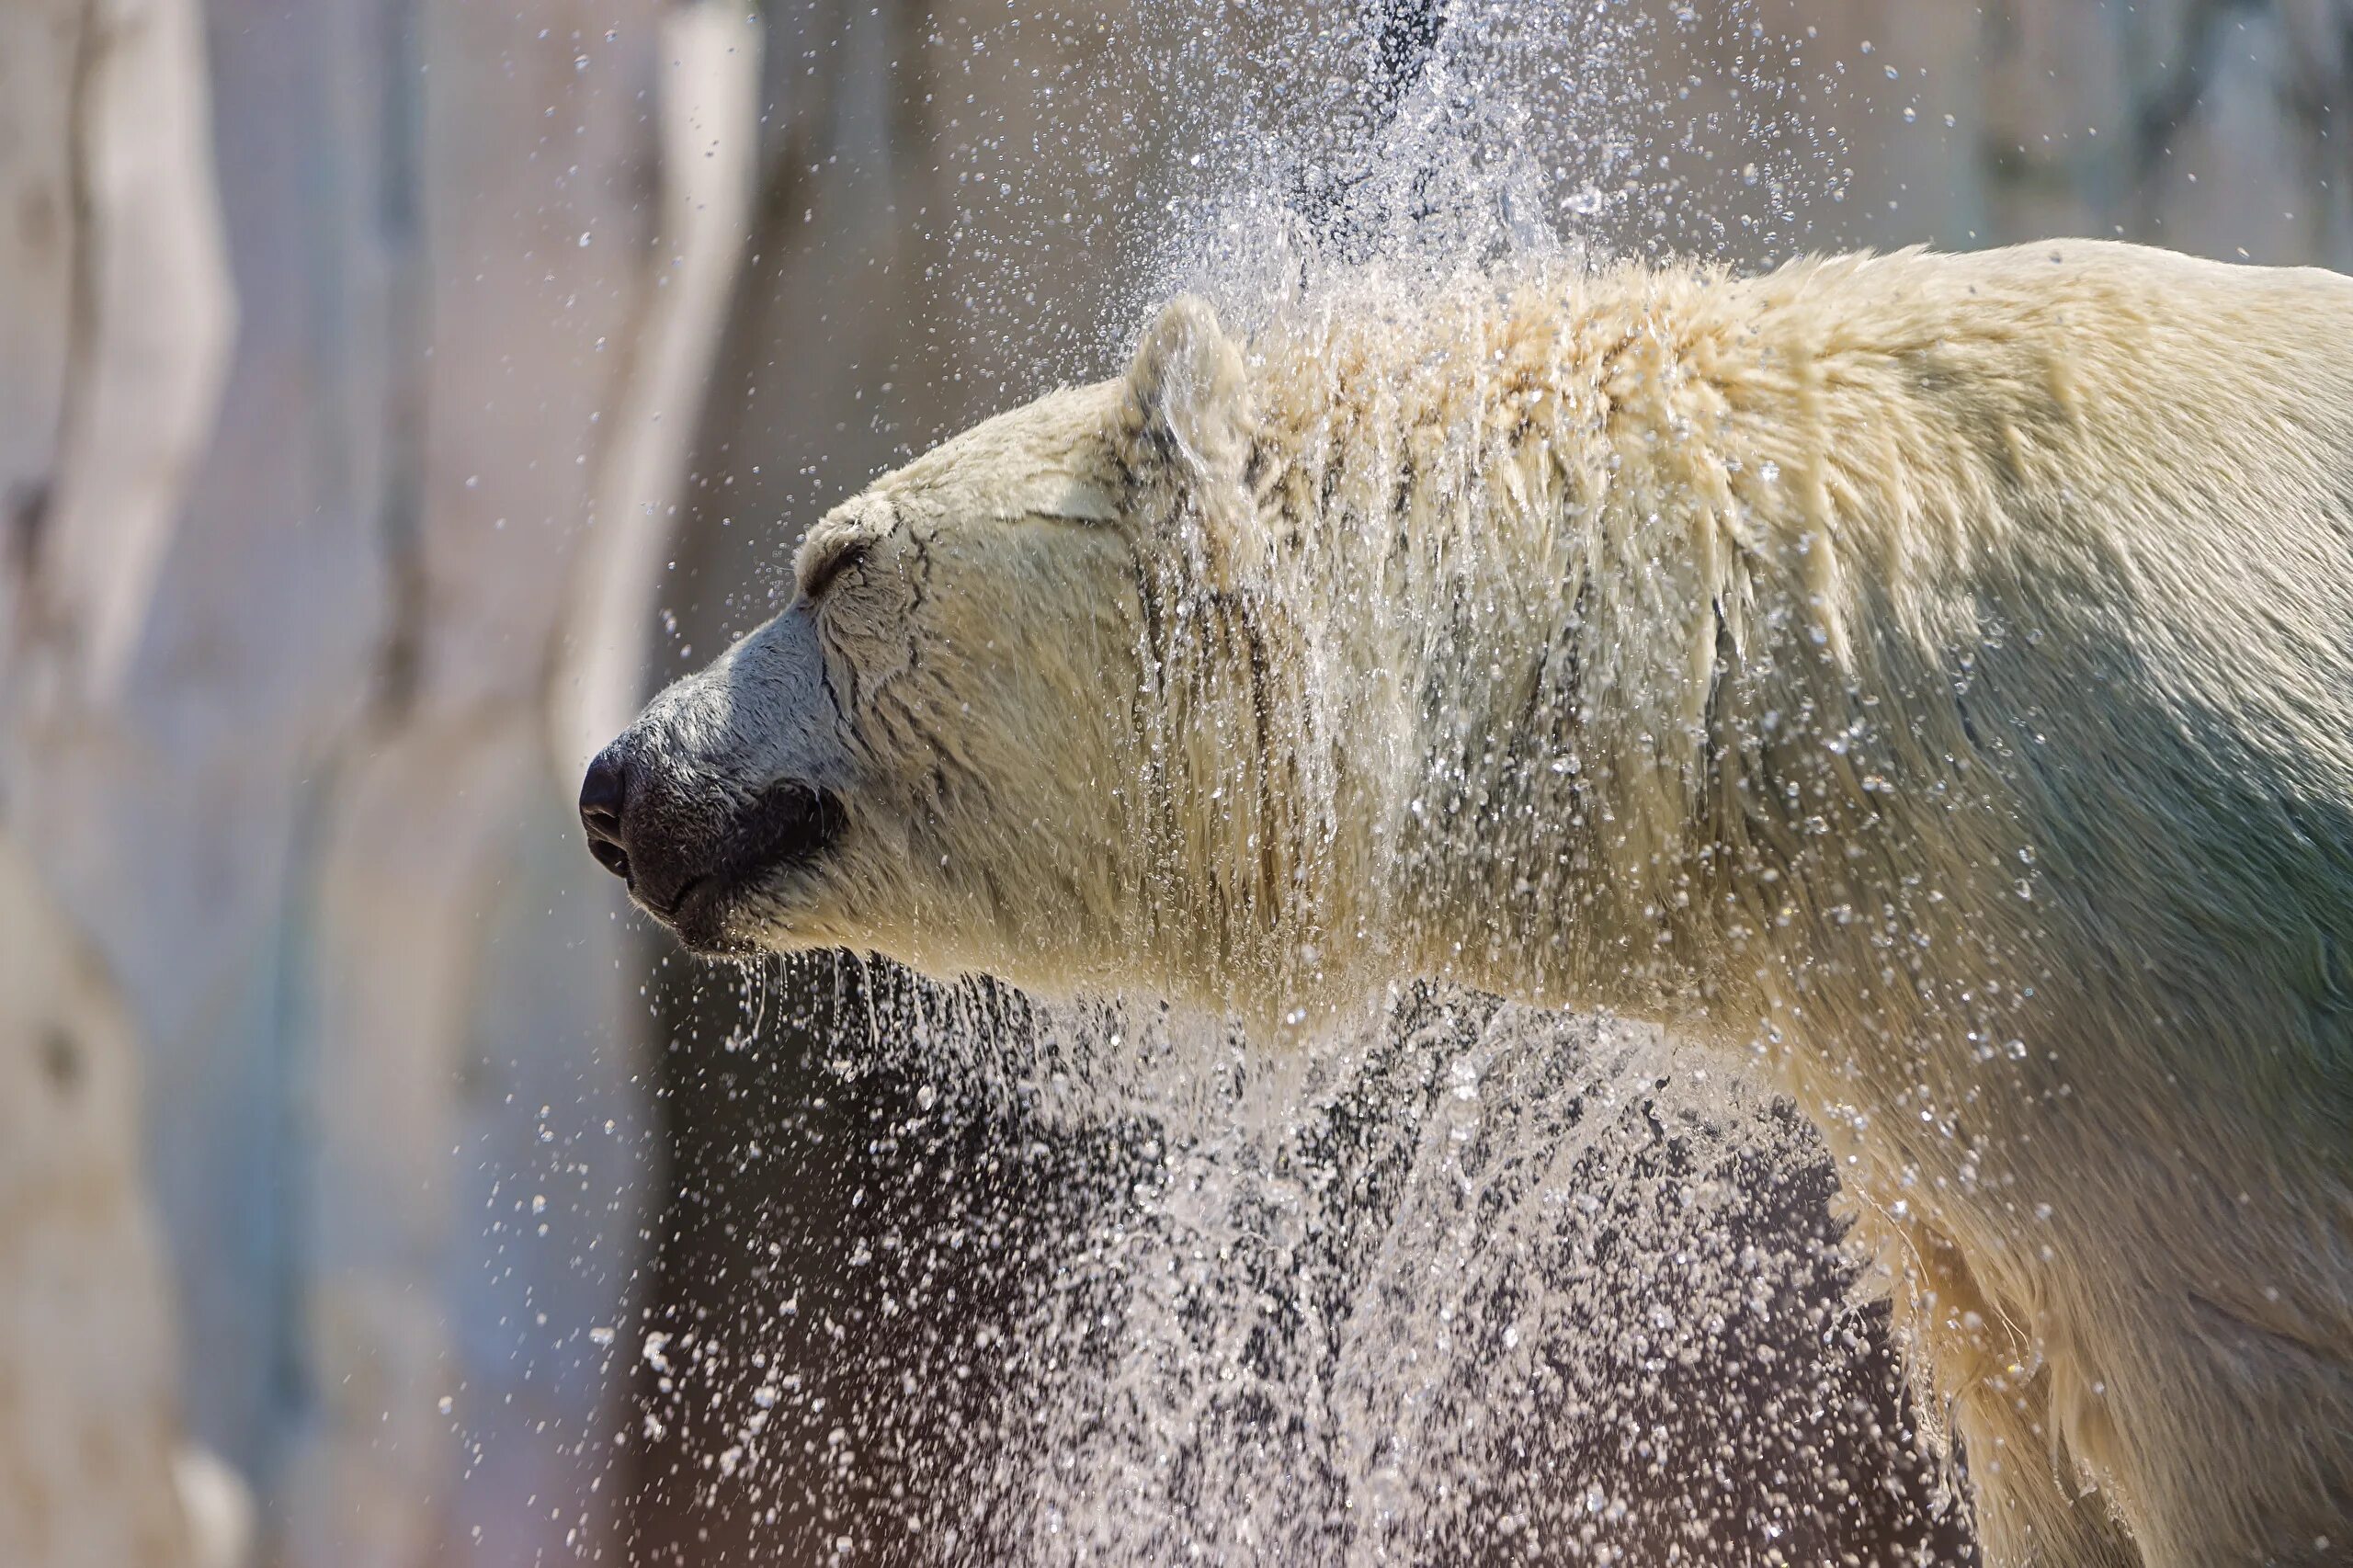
825	569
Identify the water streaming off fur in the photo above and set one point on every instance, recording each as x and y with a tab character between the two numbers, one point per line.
1463	1282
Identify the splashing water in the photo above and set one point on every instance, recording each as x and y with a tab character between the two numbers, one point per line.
1499	1286
1474	1283
1463	1282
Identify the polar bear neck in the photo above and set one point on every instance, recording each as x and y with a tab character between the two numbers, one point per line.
1530	549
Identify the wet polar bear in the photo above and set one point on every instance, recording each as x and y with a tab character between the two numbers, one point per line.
1929	675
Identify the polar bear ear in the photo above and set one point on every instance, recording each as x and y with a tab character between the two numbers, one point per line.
1187	396
1187	418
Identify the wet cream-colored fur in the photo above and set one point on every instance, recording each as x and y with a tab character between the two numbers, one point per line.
1929	676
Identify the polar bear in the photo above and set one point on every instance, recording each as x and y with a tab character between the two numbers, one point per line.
1930	677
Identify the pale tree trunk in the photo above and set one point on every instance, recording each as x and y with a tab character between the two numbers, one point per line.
464	988
285	782
114	322
87	1427
710	161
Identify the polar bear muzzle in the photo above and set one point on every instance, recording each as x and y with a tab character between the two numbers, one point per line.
724	805
687	862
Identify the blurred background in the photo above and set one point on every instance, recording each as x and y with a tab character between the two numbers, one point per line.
392	392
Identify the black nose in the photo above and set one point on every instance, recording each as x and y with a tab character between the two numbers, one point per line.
602	795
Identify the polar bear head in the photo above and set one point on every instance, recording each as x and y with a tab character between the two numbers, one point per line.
965	745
